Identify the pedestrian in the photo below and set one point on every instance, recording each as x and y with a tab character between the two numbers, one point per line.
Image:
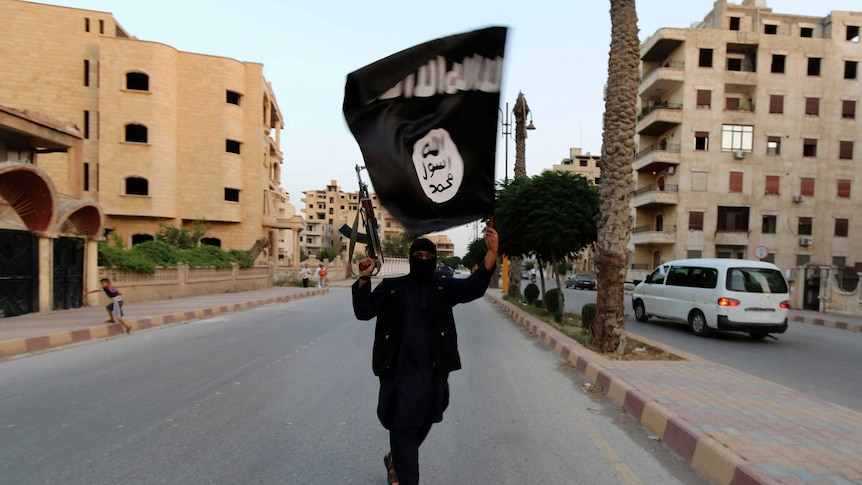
115	307
415	346
304	273
533	274
321	276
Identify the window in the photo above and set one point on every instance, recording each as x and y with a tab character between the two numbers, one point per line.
770	29
850	69
736	137
86	24
137	81
232	146
812	106
705	58
694	254
734	23
853	33
778	61
848	109
704	98
842	227
232	97
699	181
809	147
732	219
136	133
86	72
773	185
734	63
231	195
211	241
776	103
806	186
805	225
813	66
845	150
137	186
86	177
803	259
770	224
735	183
806	32
141	238
773	145
732	104
843	189
101	26
701	140
583	163
695	221
86	124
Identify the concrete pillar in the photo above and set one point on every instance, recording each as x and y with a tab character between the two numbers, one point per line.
91	272
46	273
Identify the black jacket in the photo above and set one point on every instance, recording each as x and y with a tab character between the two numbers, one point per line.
386	302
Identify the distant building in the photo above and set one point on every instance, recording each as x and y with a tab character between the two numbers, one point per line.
748	136
590	168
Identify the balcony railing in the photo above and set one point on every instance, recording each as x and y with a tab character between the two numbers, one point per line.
666	65
673	148
666	228
654	188
665	105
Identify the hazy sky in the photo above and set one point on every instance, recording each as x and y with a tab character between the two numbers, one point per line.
556	54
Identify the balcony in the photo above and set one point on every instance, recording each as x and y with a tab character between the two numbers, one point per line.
731	238
654	235
657	158
659	118
654	197
662	80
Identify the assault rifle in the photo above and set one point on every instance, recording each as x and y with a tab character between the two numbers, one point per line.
371	238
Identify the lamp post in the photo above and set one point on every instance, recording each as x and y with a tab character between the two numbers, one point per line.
506	122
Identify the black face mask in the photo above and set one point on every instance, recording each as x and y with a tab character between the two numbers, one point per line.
423	269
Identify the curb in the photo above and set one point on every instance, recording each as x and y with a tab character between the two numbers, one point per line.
708	457
823	322
14	347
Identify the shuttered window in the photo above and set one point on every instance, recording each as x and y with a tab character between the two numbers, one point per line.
704	98
699	181
776	103
695	221
848	109
806	186
812	106
842	227
731	104
844	189
772	184
735	182
845	150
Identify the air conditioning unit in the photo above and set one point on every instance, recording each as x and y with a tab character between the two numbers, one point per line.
671	170
798	198
806	241
740	154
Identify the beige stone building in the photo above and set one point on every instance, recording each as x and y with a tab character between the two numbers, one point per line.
748	137
589	167
167	136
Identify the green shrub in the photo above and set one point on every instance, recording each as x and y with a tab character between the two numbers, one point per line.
159	252
540	304
531	292
240	257
206	256
588	315
552	300
558	317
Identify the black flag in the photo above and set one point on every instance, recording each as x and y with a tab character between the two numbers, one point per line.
426	123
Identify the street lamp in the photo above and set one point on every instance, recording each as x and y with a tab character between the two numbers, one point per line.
506	121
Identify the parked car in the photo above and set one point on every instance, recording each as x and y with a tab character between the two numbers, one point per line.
716	294
525	275
581	281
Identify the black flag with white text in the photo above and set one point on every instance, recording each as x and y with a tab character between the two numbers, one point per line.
425	120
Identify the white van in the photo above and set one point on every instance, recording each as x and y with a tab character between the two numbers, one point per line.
723	294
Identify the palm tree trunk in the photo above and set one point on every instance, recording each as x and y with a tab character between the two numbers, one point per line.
618	153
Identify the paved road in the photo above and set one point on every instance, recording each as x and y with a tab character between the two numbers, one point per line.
284	394
820	361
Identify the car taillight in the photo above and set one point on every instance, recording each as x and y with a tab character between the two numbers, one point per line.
728	302
784	304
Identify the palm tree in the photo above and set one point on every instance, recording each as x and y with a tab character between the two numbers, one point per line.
618	154
520	111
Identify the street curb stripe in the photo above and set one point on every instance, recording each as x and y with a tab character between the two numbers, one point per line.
13	347
707	456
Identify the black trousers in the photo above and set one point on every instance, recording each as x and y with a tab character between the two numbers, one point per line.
305	282
405	452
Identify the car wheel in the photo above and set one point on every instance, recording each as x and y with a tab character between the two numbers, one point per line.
698	324
640	312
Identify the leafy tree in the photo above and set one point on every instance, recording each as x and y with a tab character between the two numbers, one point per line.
475	253
452	262
182	237
552	216
396	246
327	253
618	155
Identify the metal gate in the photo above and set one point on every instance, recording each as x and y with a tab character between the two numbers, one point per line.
811	299
19	273
68	273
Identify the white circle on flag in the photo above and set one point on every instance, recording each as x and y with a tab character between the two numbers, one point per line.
438	165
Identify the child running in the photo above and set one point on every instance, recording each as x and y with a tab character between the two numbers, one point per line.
115	307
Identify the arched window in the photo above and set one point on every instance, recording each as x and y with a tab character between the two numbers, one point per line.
137	186
659	223
137	81
136	133
141	238
211	241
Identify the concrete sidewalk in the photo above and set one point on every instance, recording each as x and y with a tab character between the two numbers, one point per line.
733	428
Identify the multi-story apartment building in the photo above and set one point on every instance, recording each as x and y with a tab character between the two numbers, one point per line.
590	167
168	136
749	140
325	212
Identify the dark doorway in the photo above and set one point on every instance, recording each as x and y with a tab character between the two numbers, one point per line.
19	273
811	297
68	273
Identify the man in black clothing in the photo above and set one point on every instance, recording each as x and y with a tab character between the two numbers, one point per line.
415	346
